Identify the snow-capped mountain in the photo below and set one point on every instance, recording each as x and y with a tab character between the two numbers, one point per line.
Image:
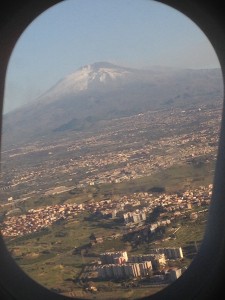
101	75
106	91
91	76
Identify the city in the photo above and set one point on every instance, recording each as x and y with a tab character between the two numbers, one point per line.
133	188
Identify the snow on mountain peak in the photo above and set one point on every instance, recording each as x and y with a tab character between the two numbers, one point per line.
101	72
87	77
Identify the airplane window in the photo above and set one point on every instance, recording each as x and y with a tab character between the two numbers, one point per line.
110	134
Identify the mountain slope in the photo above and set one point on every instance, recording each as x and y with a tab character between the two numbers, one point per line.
105	91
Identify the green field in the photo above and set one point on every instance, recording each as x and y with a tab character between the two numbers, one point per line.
48	259
173	179
48	256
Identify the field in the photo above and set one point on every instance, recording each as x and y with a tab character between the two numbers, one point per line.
174	179
49	257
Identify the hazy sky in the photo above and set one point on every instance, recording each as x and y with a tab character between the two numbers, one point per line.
135	33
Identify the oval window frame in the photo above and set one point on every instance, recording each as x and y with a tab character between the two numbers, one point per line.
204	277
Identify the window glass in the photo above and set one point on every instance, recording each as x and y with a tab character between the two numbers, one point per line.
111	121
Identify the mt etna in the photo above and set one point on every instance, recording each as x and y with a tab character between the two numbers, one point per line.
103	91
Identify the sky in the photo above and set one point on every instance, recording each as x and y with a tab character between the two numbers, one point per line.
74	33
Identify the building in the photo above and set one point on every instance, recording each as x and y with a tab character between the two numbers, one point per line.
157	260
118	257
134	217
170	253
123	271
174	274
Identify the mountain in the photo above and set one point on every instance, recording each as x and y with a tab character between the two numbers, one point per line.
106	91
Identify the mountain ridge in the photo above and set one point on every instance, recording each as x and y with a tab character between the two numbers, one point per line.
104	91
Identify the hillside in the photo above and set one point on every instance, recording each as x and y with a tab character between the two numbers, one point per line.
105	91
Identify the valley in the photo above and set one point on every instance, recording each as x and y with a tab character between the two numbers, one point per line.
116	151
57	193
106	179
